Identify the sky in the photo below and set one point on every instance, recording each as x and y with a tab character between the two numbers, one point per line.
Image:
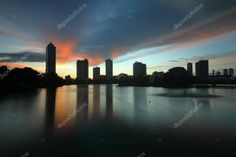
125	31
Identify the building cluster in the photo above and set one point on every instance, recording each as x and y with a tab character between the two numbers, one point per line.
201	69
139	68
109	71
82	66
226	72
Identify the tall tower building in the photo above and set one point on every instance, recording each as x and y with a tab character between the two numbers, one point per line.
109	69
96	73
50	58
139	69
190	69
82	70
202	69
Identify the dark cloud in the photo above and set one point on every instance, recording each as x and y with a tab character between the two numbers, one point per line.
22	57
2	33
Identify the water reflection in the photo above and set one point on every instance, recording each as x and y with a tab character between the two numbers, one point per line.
49	111
82	98
109	101
140	102
119	117
96	101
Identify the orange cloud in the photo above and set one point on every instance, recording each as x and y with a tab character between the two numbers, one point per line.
117	52
66	52
95	59
12	65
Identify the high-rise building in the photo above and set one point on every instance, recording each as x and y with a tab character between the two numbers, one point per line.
50	58
202	69
225	72
96	73
231	71
139	69
109	69
190	68
82	70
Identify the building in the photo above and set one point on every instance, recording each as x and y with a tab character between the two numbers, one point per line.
190	69
218	73
231	71
225	72
202	68
139	69
50	58
109	69
82	70
96	73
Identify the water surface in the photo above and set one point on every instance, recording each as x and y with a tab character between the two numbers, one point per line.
118	121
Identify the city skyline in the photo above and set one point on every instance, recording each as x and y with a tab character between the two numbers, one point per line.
102	34
139	68
94	77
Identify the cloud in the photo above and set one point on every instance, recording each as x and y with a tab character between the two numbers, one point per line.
12	65
199	33
67	52
111	28
2	33
22	57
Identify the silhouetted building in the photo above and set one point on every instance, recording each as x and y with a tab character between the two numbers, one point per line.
231	71
50	58
190	69
109	69
139	69
202	69
96	73
225	72
82	70
218	73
